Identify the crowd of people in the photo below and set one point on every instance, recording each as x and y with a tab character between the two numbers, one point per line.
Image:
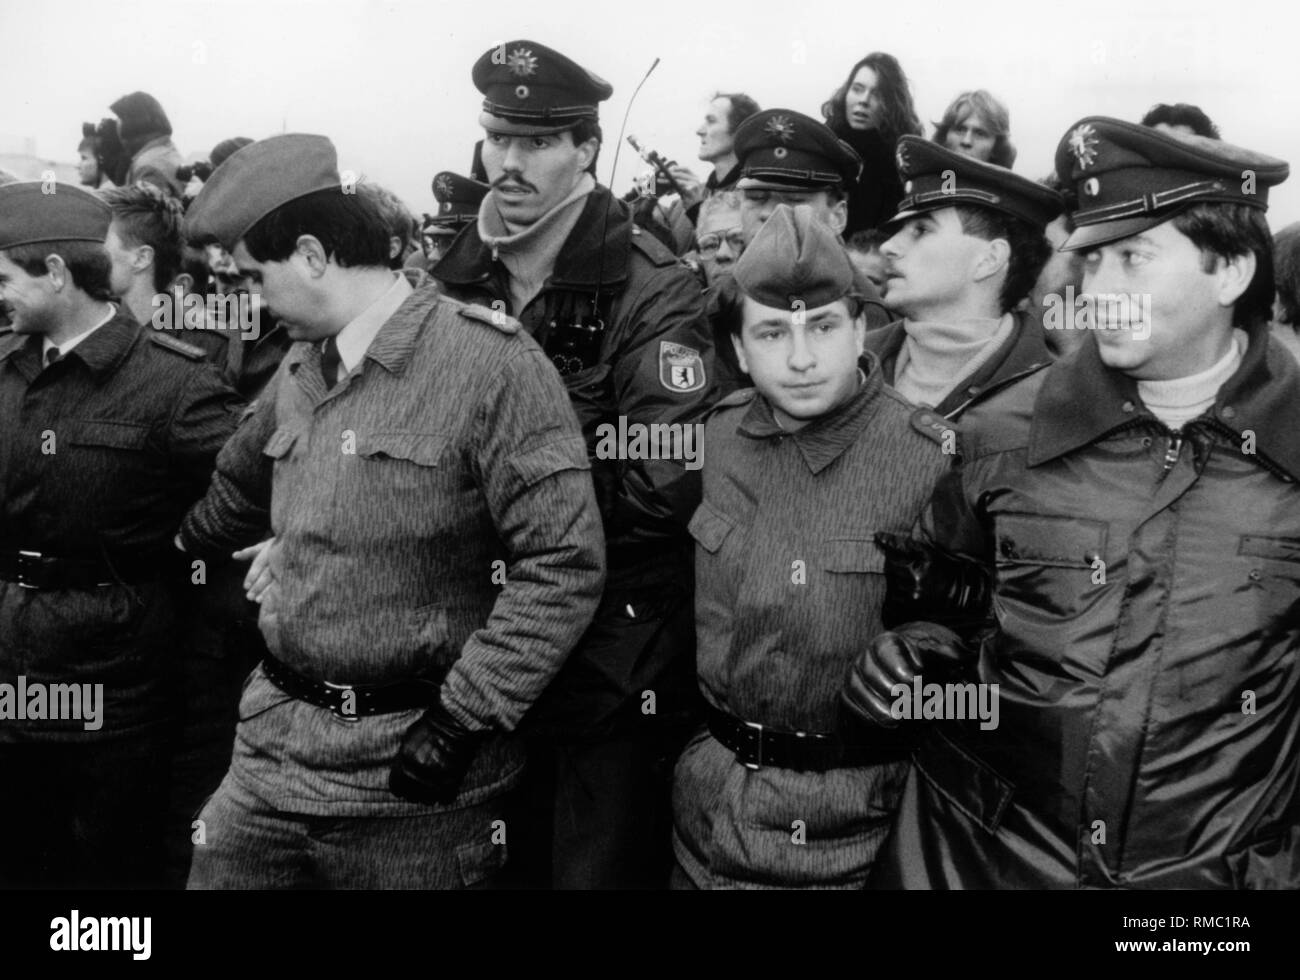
862	514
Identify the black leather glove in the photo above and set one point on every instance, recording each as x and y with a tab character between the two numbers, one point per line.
435	755
924	583
931	651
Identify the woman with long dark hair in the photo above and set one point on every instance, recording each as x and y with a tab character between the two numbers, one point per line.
870	111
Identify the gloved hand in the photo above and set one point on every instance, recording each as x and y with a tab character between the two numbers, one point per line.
926	649
435	755
926	584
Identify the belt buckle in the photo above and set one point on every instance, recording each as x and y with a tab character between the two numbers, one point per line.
354	718
755	766
28	561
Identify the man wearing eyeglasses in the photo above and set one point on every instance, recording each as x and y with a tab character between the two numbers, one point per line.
719	239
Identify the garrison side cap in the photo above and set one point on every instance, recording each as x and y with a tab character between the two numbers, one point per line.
936	177
794	257
33	211
258	178
1128	177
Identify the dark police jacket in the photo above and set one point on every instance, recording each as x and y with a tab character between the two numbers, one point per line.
653	363
1147	643
101	454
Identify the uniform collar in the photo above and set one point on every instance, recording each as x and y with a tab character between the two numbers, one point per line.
585	258
67	346
395	341
825	439
1023	352
357	336
1082	400
105	347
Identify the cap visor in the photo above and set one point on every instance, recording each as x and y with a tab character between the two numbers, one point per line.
767	184
1089	236
508	127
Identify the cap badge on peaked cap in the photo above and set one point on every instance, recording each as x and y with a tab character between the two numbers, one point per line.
521	62
780	128
1083	144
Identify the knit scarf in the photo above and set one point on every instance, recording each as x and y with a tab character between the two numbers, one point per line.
936	357
529	255
1177	401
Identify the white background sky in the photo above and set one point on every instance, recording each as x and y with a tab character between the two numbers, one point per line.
389	80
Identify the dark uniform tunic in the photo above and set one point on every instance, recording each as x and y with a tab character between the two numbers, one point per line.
101	453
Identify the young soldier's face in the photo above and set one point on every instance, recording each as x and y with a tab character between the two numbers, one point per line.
804	362
530	175
287	288
29	299
929	265
758	203
1157	312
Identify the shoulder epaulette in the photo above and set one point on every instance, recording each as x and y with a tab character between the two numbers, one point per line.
177	346
496	318
935	427
737	398
653	249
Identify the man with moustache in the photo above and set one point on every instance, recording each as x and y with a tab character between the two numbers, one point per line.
803	470
623	322
1136	509
437	550
967	246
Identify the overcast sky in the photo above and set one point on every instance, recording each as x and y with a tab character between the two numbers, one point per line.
389	80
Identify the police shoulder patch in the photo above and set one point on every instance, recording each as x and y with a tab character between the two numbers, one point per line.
500	319
177	346
681	369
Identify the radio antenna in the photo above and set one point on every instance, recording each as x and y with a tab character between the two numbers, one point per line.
618	145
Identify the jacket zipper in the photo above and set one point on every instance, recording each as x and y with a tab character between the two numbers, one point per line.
1171	453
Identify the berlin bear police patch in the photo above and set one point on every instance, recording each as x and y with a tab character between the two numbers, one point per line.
681	369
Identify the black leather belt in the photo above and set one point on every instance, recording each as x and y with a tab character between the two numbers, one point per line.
351	701
757	746
34	570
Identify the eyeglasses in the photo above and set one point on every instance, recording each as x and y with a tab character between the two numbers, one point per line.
708	245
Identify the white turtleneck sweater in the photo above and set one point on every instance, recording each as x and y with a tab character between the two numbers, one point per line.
529	255
1177	401
936	356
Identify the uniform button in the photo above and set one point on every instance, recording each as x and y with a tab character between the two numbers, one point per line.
973	390
1128	406
1146	442
926	418
1229	412
1008	548
1254	575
